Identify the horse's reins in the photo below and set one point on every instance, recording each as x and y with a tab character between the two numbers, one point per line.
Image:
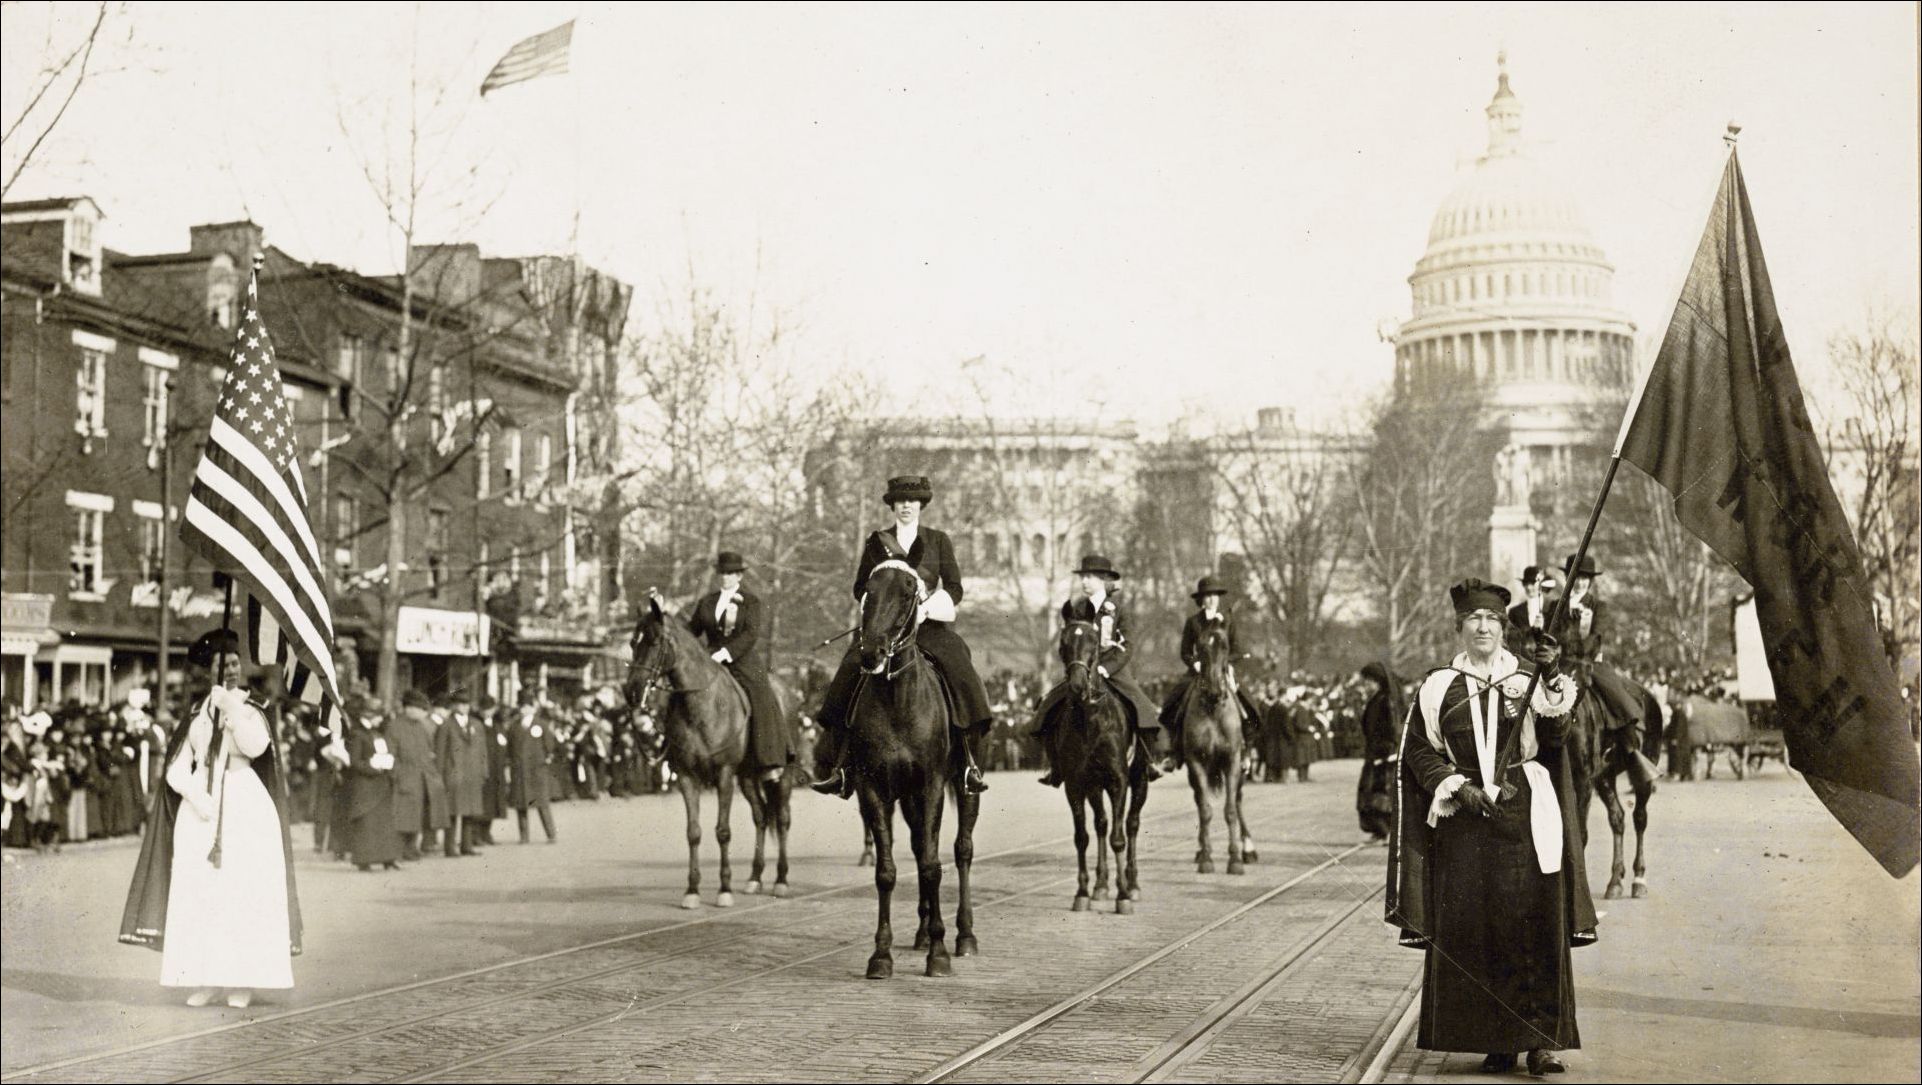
1100	688
897	645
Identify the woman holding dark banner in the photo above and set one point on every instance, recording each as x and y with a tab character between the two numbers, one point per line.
213	890
1486	875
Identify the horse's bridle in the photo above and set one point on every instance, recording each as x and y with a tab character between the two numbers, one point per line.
897	646
1100	688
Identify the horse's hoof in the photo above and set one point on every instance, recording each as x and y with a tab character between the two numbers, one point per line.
781	890
1201	857
692	900
922	943
880	968
866	859
752	888
1100	893
1248	855
939	965
1613	892
725	900
966	946
1234	866
1124	906
1639	889
1080	903
1205	866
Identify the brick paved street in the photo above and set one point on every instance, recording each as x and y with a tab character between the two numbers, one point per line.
572	962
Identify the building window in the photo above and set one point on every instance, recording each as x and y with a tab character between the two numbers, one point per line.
220	305
511	466
86	574
346	530
154	407
436	551
436	400
541	594
537	471
90	400
483	463
153	532
390	367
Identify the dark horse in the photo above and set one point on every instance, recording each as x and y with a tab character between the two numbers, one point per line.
705	725
1091	755
1211	748
1603	751
902	749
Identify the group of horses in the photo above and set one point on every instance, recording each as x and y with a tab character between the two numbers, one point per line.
902	752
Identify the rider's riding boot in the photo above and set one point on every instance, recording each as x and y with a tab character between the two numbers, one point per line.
1156	762
1053	778
971	780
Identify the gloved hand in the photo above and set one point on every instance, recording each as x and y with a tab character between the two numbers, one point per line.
1474	800
1546	651
722	655
1102	671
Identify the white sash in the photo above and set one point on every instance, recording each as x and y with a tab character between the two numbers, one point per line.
1545	811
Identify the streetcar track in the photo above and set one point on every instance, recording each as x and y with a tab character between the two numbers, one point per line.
1011	1036
769	901
516	1046
1199	1036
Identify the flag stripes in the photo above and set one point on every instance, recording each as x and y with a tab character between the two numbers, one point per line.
247	514
543	54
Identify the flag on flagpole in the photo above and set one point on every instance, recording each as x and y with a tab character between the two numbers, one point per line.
247	514
1719	421
543	54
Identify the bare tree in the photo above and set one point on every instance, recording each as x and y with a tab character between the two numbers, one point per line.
1286	499
65	67
1421	498
1873	448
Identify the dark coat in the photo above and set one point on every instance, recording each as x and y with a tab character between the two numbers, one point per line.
531	746
372	835
493	723
769	744
418	791
932	556
461	744
1192	629
1112	618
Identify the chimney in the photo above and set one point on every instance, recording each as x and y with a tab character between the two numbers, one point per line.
239	240
447	273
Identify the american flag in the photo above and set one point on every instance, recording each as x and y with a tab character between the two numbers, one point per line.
247	514
543	54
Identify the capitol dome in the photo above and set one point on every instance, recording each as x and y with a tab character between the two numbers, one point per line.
1513	293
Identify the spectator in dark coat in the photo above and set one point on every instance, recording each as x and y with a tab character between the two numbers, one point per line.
532	746
420	800
461	744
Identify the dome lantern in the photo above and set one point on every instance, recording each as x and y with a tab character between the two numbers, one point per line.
1504	114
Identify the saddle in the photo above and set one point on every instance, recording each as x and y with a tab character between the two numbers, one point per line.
941	680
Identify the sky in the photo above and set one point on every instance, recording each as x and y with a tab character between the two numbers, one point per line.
1141	212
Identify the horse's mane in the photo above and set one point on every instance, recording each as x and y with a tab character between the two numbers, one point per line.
1214	677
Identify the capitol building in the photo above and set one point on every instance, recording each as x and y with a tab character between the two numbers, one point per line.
1514	294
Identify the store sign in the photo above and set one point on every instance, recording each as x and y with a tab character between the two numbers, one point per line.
184	601
26	613
435	632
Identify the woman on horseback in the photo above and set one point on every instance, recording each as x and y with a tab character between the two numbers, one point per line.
1211	612
729	622
931	554
1580	636
1097	601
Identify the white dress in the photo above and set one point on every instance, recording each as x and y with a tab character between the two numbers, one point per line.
226	925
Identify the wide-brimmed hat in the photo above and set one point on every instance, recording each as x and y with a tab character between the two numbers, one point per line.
1587	568
908	488
1209	585
1475	594
414	698
1099	565
727	561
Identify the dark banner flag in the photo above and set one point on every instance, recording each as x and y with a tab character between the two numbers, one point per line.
1721	424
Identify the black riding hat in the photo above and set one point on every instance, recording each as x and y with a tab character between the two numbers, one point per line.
1209	585
909	488
727	561
1587	567
1099	566
213	642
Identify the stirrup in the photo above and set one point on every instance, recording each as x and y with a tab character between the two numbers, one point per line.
972	781
835	783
